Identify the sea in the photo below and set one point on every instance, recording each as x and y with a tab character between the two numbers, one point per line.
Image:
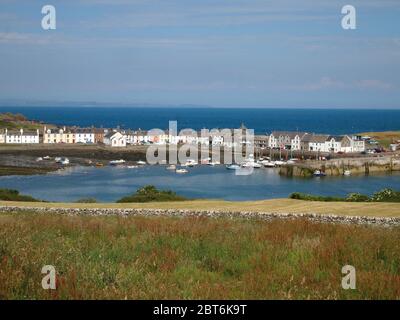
108	184
328	121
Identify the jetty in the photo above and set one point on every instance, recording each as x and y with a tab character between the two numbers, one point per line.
337	167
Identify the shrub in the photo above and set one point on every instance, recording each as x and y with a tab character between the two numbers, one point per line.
13	195
386	195
151	194
310	197
357	197
86	200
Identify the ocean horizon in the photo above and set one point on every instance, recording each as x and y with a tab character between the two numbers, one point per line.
262	120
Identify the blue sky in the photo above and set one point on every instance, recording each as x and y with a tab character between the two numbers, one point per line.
230	53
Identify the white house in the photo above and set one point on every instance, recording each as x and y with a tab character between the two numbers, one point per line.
330	143
115	139
21	136
358	144
84	135
314	142
286	140
58	135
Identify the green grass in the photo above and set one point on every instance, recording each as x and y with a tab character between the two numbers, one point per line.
19	121
194	258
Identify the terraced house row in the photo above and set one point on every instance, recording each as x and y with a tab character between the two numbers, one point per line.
284	140
316	142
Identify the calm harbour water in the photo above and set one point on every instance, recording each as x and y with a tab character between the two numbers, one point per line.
111	183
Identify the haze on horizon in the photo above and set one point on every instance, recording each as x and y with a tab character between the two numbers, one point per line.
242	53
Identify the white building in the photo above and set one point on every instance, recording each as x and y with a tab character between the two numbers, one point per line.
330	143
358	144
21	136
115	139
286	140
84	135
58	135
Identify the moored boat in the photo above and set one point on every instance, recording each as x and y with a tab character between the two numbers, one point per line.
319	173
269	164
347	173
116	162
181	171
233	167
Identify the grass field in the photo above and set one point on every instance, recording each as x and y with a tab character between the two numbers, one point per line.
276	205
385	138
194	258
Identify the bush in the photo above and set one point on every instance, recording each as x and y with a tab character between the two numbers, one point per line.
13	195
151	194
86	200
386	195
310	197
357	197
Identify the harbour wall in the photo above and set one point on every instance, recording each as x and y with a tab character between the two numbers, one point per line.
337	167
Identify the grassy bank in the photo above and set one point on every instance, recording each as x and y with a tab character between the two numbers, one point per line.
172	258
385	138
12	170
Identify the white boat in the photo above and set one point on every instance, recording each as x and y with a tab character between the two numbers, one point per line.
191	163
46	158
213	163
181	171
132	167
57	159
251	165
141	163
39	159
233	167
269	164
347	173
319	173
171	167
279	163
116	162
64	161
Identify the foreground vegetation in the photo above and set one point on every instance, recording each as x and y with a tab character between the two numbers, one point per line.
191	258
385	195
